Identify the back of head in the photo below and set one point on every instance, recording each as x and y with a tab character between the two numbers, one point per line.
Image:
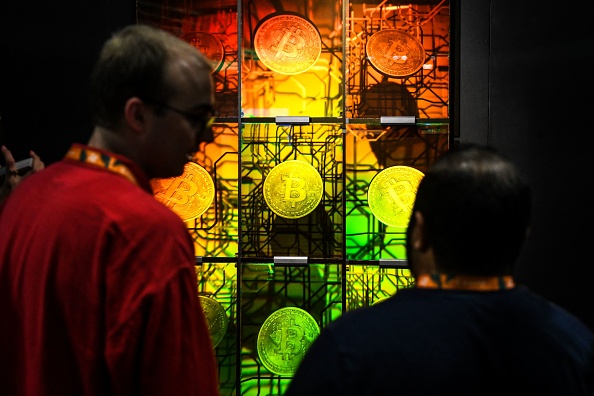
132	64
476	208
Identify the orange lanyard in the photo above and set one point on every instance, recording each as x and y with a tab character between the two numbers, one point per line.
100	160
464	282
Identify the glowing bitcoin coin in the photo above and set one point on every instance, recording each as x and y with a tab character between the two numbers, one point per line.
188	195
287	43
293	189
210	46
391	194
284	338
395	53
216	318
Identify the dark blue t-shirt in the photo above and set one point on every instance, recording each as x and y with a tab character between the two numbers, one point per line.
444	342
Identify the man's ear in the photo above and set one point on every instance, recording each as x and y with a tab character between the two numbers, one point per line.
135	112
419	233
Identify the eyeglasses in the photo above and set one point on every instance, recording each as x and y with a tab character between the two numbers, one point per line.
202	120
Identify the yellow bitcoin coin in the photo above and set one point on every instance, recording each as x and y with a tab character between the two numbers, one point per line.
284	338
395	53
216	318
287	43
188	195
293	189
392	193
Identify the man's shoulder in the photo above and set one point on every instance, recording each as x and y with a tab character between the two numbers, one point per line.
105	195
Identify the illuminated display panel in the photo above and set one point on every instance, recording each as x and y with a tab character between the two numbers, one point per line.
374	88
292	59
266	234
343	67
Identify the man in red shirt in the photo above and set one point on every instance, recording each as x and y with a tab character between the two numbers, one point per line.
97	285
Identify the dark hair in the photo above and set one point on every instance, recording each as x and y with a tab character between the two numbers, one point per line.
476	208
132	64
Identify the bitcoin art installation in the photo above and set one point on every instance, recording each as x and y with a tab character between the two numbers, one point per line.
188	195
209	46
284	338
395	53
216	318
293	189
391	194
287	43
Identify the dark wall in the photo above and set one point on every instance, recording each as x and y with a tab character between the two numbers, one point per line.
48	49
525	81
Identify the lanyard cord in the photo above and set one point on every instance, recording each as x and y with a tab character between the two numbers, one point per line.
100	160
464	282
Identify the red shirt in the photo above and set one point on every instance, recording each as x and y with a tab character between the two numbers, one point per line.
98	290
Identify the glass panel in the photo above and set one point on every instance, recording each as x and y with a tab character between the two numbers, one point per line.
217	289
216	232
292	58
370	284
345	66
270	226
397	66
283	309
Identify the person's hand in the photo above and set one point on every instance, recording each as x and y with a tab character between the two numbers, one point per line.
13	178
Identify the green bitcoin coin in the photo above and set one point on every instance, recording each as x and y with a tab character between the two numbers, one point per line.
392	193
284	338
293	189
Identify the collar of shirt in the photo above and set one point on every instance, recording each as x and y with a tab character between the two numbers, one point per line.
109	161
464	282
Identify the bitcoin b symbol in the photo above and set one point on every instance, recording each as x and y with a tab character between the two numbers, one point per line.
397	53
290	44
180	191
289	339
294	191
397	189
188	195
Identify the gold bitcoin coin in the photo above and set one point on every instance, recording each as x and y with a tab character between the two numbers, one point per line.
216	318
392	193
210	46
287	43
395	53
284	338
293	189
188	195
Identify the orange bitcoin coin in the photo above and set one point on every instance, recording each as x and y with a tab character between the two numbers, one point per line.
395	53
209	46
188	195
287	43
